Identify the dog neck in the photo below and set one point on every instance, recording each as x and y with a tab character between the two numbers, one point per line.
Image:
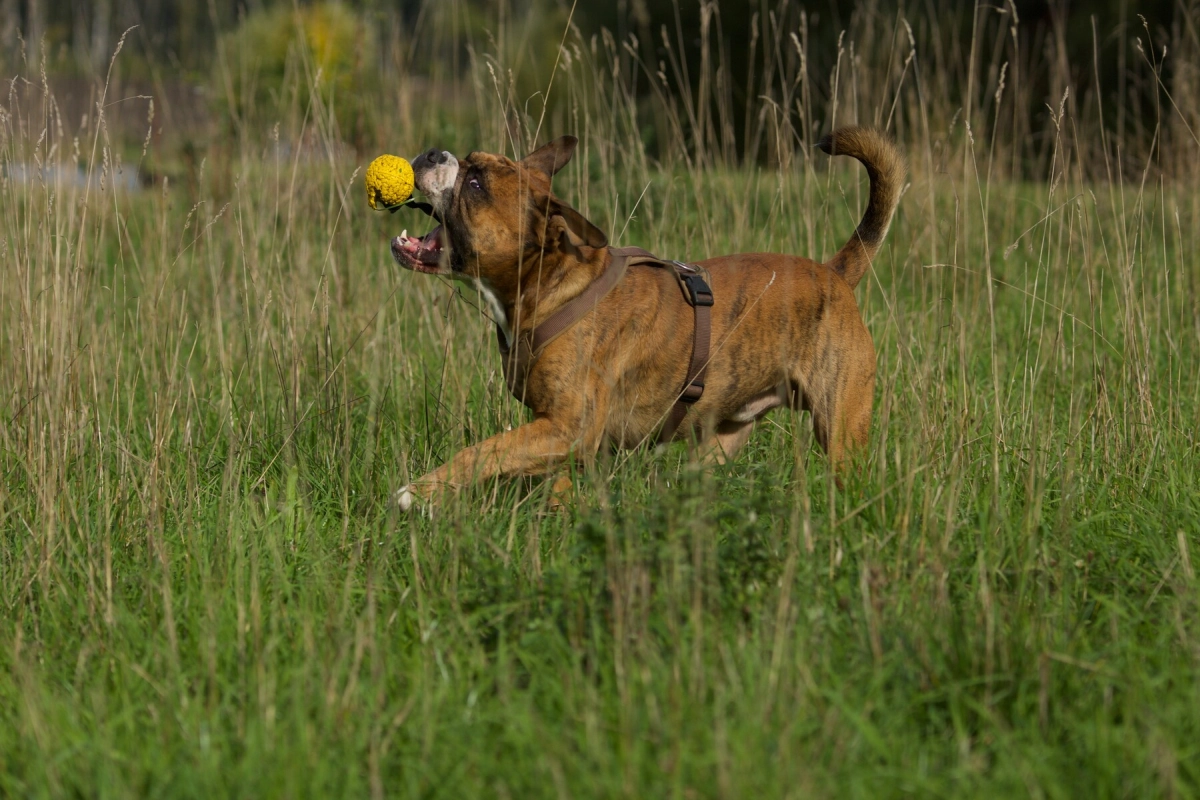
551	281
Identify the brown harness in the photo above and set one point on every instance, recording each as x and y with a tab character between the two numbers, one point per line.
519	360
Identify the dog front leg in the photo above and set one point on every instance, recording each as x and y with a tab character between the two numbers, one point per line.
532	449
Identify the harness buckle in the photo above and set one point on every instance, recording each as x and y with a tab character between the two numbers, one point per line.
692	392
699	292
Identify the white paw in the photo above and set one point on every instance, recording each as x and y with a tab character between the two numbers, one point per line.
405	498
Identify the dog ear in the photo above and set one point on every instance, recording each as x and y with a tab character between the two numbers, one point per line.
577	228
550	158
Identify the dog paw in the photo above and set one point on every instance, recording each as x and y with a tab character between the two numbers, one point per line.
409	501
405	499
560	494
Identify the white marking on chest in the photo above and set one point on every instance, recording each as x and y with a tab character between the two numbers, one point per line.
485	291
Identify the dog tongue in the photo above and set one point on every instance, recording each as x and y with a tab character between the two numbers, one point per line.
426	250
430	249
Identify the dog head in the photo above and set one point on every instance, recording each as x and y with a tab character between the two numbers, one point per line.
500	221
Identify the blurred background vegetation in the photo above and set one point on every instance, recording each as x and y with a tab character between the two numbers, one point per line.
385	70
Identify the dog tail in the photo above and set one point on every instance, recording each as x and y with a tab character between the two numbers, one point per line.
885	167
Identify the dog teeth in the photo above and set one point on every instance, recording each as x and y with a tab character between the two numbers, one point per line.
404	234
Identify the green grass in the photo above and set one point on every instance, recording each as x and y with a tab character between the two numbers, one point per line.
210	398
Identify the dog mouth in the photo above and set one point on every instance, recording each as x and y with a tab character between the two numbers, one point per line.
422	254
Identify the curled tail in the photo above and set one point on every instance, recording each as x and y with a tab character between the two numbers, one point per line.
885	167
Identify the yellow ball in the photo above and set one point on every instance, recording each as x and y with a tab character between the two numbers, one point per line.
389	181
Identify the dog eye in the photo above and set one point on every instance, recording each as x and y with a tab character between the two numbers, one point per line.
474	183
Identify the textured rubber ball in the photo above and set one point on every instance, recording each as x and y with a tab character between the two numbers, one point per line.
389	182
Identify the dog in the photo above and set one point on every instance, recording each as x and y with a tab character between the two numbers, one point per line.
784	330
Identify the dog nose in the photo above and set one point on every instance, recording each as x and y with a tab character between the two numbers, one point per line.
435	156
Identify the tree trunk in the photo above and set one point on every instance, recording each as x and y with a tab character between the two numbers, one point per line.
10	23
35	29
101	33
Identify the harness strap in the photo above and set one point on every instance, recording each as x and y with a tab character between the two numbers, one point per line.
519	357
576	309
698	295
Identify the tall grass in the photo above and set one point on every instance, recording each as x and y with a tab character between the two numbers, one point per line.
213	387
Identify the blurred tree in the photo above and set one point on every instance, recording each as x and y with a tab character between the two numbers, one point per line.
10	23
713	52
275	55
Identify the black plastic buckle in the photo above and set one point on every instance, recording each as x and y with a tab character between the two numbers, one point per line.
692	392
700	294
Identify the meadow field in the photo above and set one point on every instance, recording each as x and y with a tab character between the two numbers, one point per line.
215	378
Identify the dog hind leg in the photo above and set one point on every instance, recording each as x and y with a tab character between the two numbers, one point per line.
841	414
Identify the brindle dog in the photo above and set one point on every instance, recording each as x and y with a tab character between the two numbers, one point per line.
785	330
